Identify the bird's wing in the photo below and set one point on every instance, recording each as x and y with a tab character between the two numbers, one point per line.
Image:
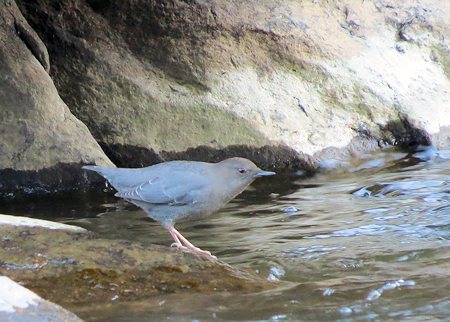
179	188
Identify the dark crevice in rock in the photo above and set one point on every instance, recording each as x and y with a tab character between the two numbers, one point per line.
33	43
63	177
128	156
267	157
99	6
399	133
405	135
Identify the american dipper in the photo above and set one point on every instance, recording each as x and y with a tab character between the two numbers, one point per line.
182	190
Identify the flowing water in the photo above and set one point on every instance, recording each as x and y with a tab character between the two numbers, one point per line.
368	242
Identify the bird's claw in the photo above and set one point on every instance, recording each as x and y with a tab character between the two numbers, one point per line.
204	253
187	247
179	246
194	250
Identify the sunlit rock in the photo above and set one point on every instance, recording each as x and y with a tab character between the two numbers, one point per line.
19	221
20	304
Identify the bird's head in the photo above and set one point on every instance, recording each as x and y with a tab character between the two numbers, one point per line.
241	172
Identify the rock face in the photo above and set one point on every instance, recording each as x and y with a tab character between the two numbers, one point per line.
37	130
287	84
73	268
173	75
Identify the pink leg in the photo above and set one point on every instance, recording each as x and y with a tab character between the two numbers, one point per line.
177	242
180	240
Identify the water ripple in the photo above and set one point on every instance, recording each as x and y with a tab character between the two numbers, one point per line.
375	294
314	251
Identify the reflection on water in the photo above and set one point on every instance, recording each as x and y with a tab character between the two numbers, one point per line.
370	242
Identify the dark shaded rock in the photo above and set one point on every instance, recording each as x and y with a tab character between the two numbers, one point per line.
129	156
403	134
267	157
60	178
32	41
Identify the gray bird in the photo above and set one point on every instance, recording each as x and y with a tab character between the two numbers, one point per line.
176	191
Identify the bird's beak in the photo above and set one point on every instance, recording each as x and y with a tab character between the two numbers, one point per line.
264	173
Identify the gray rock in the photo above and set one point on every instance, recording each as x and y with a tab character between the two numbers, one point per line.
37	130
20	221
20	304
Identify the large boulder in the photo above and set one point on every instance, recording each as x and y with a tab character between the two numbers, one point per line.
41	142
284	83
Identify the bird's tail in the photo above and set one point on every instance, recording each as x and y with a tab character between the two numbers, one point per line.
115	176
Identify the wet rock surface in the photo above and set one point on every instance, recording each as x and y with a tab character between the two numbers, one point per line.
74	269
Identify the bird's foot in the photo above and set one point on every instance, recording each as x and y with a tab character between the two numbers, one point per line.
187	247
194	250
180	247
203	253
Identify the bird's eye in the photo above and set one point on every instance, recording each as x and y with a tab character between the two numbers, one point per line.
241	170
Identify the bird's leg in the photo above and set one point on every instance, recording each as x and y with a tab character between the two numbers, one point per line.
194	248
181	239
177	242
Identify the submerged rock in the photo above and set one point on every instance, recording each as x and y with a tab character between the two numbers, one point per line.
76	268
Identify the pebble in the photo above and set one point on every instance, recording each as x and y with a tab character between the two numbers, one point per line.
363	192
327	292
400	48
289	209
345	310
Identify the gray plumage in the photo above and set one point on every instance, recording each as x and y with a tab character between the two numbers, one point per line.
181	190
